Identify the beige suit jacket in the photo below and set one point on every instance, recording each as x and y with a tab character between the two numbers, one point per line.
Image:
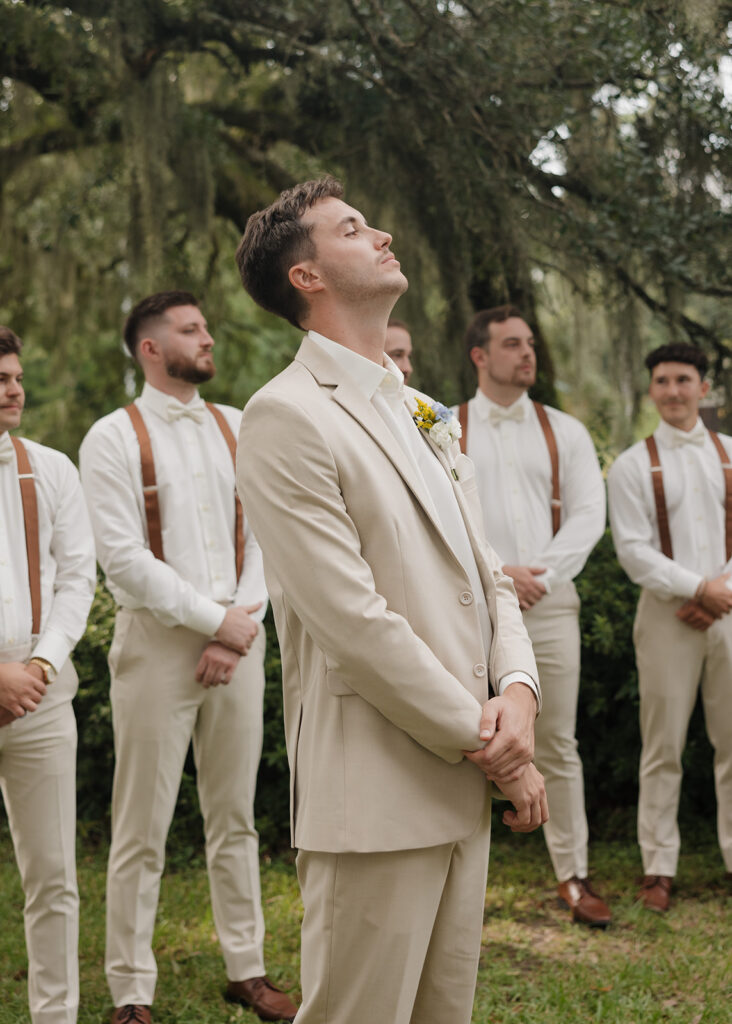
384	671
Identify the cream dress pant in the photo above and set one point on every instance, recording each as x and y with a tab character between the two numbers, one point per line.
393	938
38	780
157	708
553	625
673	661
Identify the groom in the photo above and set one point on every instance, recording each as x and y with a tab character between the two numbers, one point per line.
393	617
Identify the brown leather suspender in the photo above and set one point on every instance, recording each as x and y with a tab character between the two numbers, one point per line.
551	443
150	488
29	500
659	495
149	482
727	470
231	442
463	419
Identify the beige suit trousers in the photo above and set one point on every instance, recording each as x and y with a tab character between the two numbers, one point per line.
393	938
553	625
674	661
38	779
157	708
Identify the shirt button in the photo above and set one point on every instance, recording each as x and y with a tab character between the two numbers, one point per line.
466	597
479	670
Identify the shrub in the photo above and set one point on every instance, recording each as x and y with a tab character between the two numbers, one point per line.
607	725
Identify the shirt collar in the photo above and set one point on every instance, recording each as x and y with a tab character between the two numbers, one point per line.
484	404
160	403
668	435
368	376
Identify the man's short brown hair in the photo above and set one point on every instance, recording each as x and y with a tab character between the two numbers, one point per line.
274	240
149	309
479	327
10	343
678	352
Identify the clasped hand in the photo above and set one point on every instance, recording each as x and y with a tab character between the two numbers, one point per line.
714	601
21	689
507	726
232	641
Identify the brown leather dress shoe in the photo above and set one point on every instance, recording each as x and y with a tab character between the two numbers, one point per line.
586	906
656	892
267	1001
132	1014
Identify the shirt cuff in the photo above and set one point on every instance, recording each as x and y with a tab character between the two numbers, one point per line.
518	677
52	647
686	582
207	617
547	577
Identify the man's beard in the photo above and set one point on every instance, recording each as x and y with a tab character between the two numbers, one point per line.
181	368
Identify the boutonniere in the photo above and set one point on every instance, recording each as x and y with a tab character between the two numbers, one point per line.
440	424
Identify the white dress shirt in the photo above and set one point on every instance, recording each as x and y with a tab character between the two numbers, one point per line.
693	483
514	474
195	479
68	568
383	386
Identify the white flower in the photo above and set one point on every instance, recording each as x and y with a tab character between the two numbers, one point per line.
443	434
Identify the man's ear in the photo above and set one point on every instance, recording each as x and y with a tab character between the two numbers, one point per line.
705	388
478	356
150	349
305	278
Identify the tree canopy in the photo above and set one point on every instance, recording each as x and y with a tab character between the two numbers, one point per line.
571	156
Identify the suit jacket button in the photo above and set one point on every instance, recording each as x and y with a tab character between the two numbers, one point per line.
466	597
479	669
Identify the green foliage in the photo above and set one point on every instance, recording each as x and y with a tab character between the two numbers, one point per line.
512	147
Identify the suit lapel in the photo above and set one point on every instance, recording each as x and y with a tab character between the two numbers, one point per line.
449	467
328	374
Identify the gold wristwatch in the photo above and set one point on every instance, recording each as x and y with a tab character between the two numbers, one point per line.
49	672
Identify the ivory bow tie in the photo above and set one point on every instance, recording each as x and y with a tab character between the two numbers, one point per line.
195	411
6	448
499	413
682	437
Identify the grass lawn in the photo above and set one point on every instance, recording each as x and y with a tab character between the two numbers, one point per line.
536	966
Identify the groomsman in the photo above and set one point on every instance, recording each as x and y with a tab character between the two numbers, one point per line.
394	619
543	503
671	516
398	346
186	661
47	578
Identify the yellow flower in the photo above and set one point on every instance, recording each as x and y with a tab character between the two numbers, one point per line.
425	416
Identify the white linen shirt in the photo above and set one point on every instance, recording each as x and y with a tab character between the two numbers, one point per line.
514	475
68	568
383	386
693	484
195	478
